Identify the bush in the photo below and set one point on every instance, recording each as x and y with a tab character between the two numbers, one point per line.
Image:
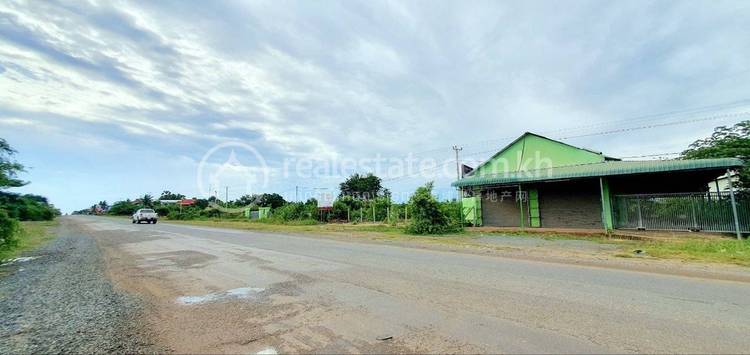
296	211
123	208
345	206
428	216
8	231
210	212
27	207
185	215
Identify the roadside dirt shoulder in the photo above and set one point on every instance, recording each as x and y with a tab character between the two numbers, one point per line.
574	252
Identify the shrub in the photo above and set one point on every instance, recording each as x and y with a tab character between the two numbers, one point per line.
27	207
427	215
296	211
8	231
123	208
343	206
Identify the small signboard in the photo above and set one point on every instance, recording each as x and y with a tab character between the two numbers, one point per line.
325	199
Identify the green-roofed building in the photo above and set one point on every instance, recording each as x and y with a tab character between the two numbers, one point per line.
539	182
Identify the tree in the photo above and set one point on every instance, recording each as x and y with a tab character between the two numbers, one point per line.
9	168
361	187
427	215
247	200
201	203
273	200
168	195
725	142
123	208
27	207
147	200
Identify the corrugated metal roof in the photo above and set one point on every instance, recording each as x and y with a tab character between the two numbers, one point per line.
607	168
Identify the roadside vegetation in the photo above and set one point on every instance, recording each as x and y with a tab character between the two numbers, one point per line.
30	235
17	233
716	249
703	250
362	204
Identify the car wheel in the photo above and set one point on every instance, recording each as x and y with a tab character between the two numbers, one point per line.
154	221
133	221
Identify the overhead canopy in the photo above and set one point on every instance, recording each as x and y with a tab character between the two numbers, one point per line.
606	168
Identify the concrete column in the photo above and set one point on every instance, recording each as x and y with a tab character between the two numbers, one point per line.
607	219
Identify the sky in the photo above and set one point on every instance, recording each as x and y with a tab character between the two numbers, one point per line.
107	100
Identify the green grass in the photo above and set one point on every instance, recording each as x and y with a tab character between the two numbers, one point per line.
293	226
32	235
709	250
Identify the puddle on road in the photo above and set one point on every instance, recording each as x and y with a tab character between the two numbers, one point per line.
236	293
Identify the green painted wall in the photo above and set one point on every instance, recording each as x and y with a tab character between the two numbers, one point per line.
531	152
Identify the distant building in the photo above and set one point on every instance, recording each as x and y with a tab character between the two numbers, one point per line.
721	184
187	202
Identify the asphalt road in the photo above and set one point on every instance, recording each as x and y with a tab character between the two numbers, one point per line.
217	290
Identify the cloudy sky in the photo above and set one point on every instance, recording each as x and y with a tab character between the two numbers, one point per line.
112	99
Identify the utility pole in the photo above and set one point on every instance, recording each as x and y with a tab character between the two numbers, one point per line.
226	197
296	193
734	206
459	192
458	163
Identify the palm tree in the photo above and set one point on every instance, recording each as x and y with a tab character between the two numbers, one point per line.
147	200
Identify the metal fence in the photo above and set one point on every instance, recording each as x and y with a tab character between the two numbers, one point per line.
704	211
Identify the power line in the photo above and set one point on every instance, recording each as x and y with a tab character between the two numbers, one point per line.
650	155
709	118
662	115
674	123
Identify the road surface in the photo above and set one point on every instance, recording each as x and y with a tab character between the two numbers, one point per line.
220	290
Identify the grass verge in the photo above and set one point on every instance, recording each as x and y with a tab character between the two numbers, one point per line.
32	235
301	227
723	251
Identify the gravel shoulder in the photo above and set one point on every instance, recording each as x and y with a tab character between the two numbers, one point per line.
59	300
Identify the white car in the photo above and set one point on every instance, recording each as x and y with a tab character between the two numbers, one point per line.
145	214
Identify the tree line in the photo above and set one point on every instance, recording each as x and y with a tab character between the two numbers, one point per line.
17	207
362	198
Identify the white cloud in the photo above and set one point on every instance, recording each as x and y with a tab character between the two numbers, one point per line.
353	79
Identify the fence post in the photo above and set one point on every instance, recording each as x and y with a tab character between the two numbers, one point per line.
640	214
692	208
734	205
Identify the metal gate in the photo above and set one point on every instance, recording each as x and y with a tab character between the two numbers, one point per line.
703	211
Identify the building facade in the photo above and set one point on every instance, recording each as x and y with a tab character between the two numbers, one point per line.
539	182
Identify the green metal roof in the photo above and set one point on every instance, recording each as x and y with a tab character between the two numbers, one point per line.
607	168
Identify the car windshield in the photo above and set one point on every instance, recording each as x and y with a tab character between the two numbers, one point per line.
147	211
